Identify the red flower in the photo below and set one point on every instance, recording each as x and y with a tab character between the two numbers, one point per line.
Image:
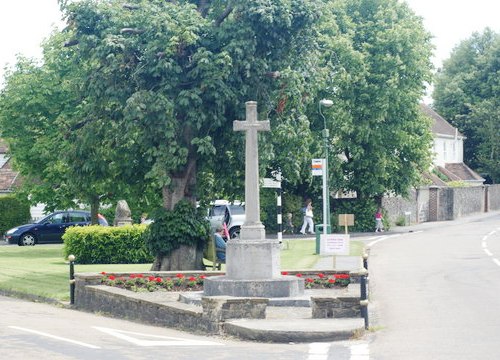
111	277
331	281
192	278
321	276
151	278
298	275
342	276
309	280
140	275
132	276
179	276
202	277
103	272
158	280
284	273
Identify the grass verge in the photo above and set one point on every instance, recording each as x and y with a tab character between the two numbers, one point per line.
41	271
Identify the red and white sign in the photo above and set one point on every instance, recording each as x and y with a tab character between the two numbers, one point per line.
317	167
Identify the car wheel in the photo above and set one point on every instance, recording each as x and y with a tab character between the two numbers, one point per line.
27	239
234	232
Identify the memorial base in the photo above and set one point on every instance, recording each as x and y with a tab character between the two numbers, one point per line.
284	286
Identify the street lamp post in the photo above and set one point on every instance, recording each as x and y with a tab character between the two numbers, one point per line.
326	191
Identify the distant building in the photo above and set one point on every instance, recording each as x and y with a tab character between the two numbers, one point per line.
10	180
448	150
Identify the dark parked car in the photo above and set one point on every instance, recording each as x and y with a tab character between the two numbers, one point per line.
49	229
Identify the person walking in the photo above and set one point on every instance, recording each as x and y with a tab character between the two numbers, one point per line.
308	218
379	226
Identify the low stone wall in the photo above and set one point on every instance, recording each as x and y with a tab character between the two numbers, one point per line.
494	197
442	203
164	309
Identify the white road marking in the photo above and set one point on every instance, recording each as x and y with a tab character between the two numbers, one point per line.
164	340
318	351
55	337
484	245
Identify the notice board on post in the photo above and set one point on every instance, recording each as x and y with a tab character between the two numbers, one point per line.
334	244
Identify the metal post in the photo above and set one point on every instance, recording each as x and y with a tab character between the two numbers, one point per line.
326	190
365	260
71	259
280	216
364	296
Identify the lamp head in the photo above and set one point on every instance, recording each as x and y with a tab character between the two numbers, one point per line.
325	102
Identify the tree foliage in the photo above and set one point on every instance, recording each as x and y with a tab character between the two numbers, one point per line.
467	93
148	91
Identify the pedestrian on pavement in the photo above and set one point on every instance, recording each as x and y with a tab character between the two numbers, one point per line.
379	226
308	218
289	224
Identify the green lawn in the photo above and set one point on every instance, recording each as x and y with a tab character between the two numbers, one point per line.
42	271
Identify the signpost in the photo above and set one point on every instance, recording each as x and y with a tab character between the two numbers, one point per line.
346	220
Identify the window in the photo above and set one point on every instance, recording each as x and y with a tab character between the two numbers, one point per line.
77	217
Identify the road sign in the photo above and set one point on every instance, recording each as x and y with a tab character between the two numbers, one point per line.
271	183
317	167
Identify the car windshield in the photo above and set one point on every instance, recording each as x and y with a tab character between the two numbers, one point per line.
44	219
237	209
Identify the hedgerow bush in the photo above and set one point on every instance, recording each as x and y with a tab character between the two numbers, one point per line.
107	245
13	212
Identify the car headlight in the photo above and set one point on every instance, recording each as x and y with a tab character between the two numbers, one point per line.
12	231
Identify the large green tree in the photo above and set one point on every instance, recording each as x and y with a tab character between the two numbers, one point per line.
379	53
467	93
153	87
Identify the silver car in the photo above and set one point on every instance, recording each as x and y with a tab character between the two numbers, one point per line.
233	214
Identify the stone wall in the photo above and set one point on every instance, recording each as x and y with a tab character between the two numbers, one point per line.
468	201
442	203
494	197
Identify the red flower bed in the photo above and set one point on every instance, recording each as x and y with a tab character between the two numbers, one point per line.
138	282
181	282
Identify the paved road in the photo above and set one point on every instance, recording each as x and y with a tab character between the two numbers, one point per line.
437	292
31	331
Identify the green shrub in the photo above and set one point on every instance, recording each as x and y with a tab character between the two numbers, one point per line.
400	221
185	225
13	212
291	203
107	245
364	214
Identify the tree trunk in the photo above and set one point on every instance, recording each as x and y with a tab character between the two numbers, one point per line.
185	257
94	210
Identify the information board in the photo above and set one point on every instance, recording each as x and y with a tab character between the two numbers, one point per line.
334	244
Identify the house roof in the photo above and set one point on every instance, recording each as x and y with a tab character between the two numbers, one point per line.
463	172
439	124
9	178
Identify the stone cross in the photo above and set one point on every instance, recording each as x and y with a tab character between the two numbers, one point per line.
252	202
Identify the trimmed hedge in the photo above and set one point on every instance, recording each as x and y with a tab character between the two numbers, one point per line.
13	213
107	245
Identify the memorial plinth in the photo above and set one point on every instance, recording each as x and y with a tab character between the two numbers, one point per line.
252	261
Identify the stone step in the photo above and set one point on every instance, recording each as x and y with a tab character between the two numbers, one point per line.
286	330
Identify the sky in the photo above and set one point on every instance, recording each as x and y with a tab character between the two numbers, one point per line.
25	23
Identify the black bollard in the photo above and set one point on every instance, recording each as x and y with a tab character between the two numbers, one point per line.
71	259
364	296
